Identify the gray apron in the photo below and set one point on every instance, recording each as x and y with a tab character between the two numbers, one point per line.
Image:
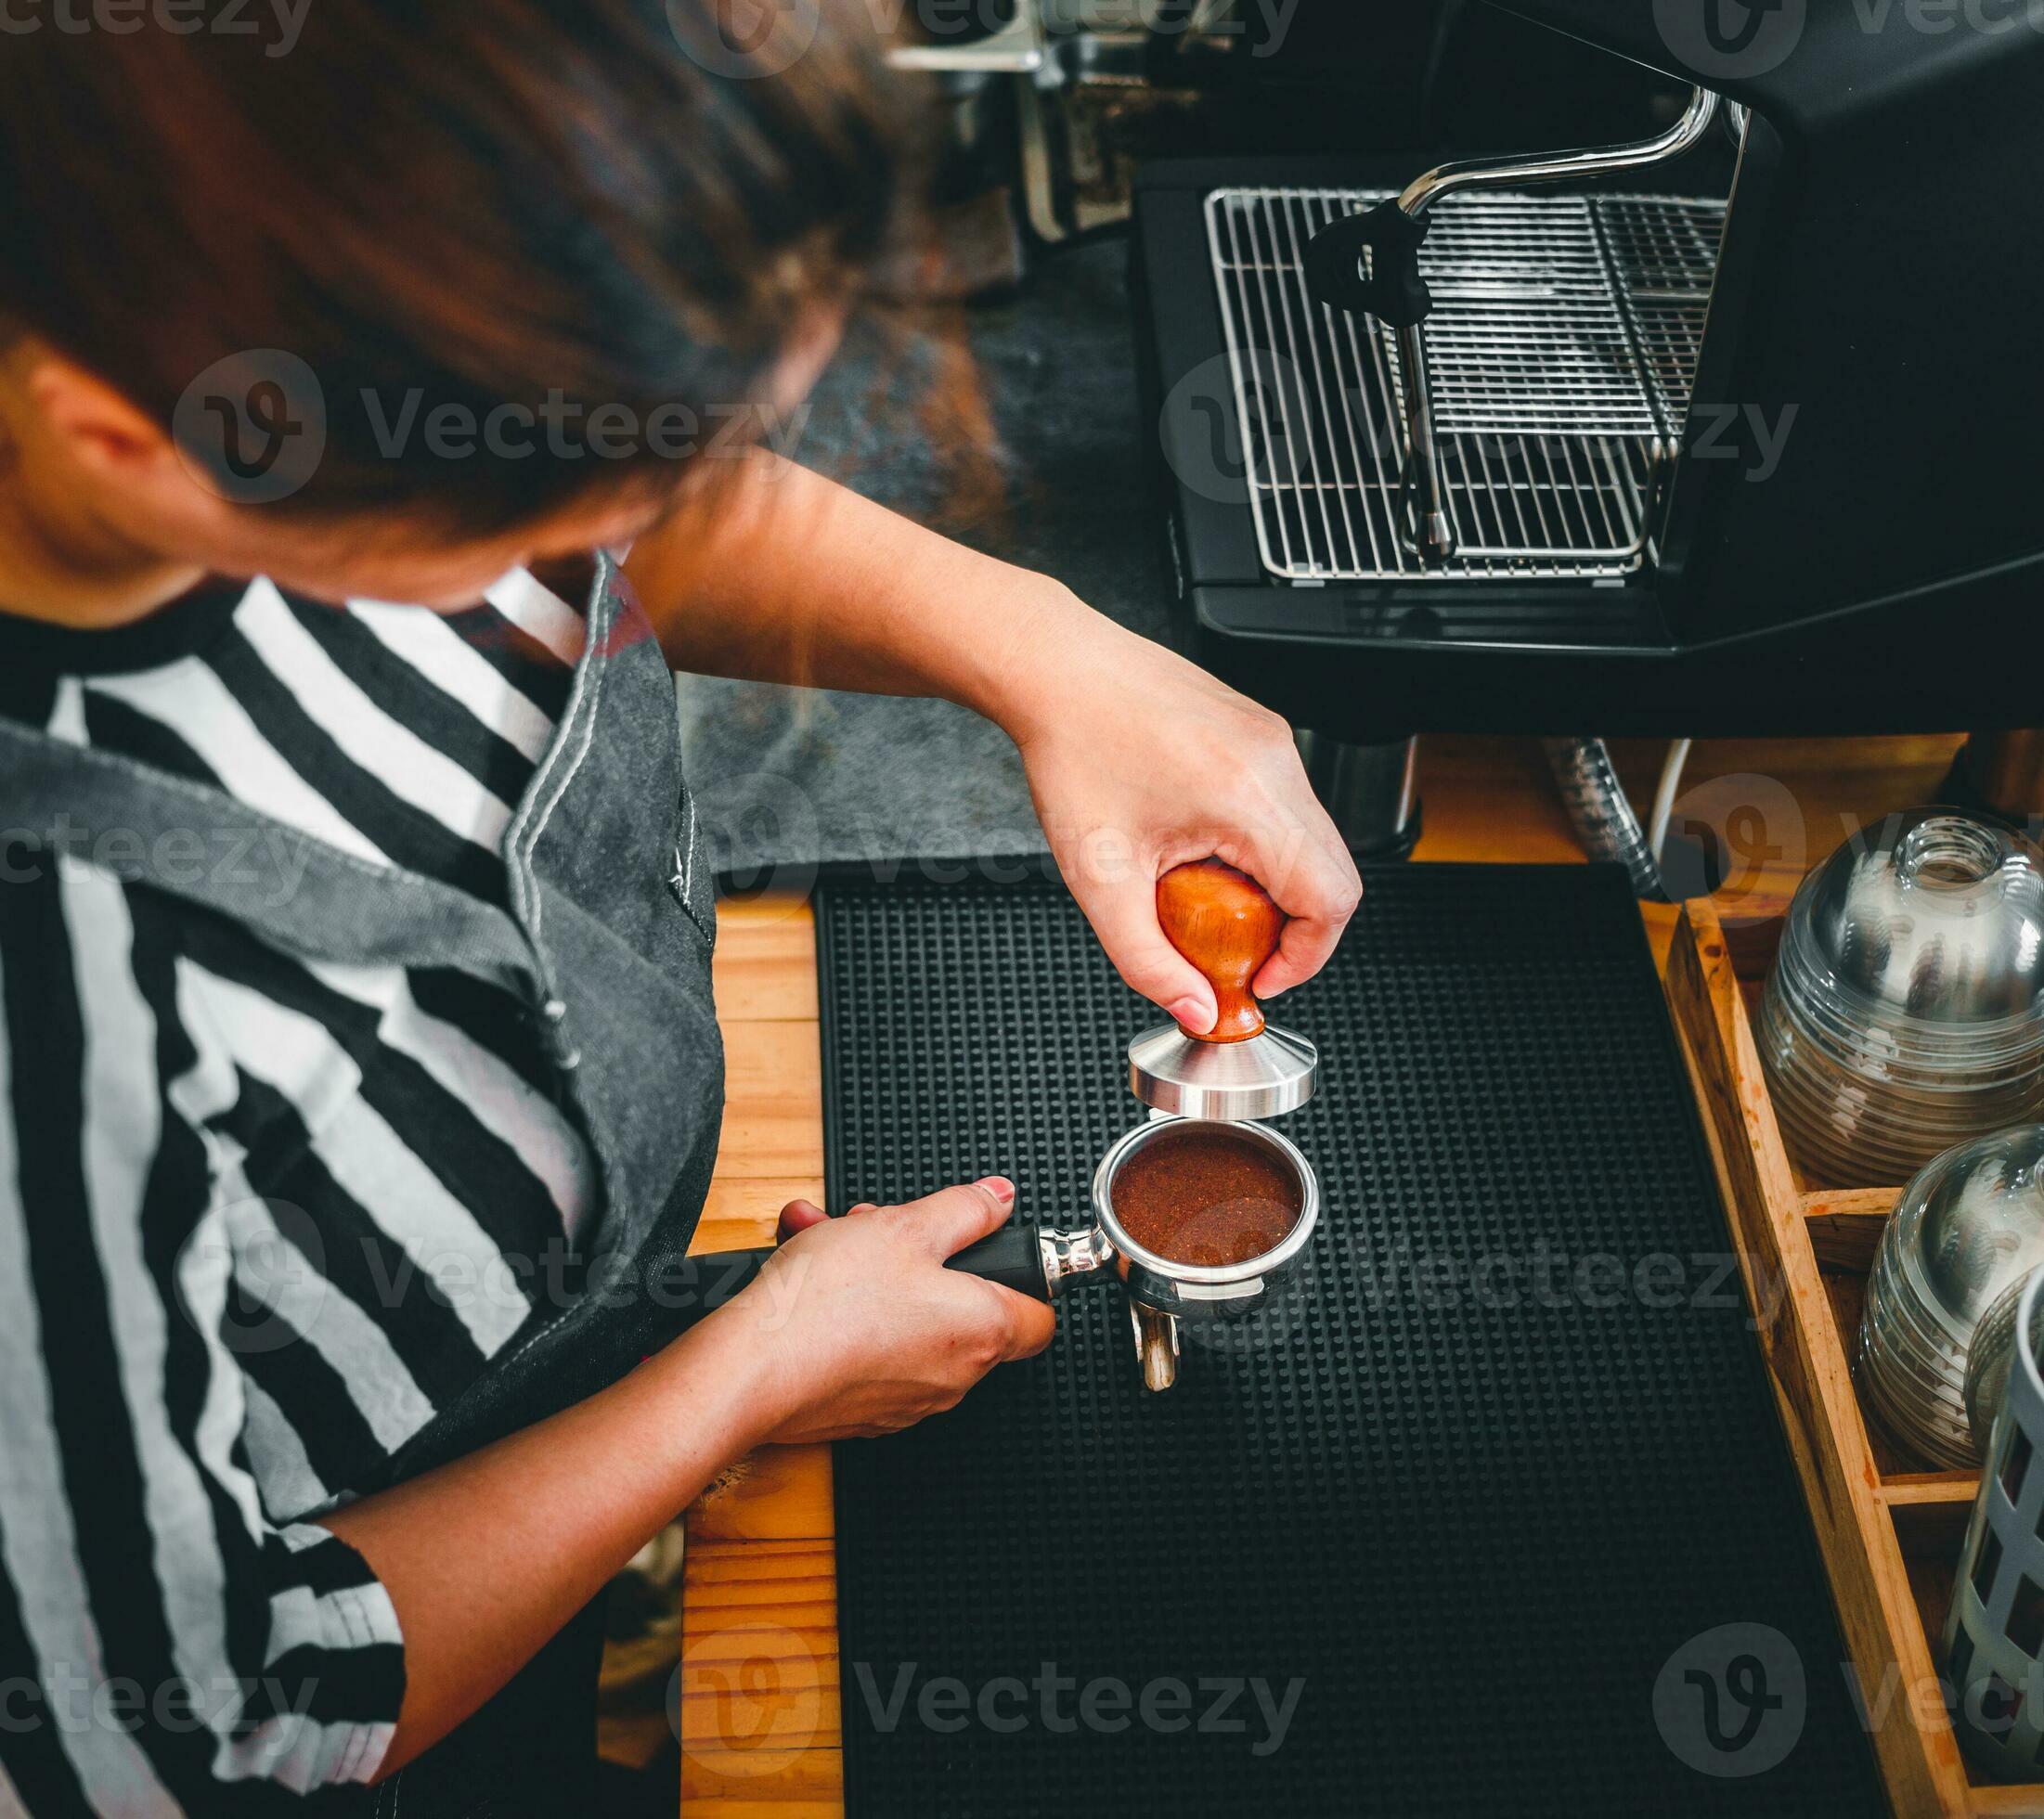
608	944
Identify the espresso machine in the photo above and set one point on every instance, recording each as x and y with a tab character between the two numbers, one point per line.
1691	435
1700	441
1678	434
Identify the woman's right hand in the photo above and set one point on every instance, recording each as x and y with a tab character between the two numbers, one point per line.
861	1328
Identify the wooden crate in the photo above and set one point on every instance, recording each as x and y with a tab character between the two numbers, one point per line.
1890	1532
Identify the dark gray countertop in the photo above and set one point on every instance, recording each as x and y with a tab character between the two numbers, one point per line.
788	777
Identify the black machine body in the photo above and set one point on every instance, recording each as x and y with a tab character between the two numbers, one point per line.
1848	532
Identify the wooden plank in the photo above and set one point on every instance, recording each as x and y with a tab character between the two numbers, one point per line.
759	1712
766	962
777	1494
809	1786
741	1212
1874	1202
1921	1489
1491	799
774	1102
1845	1240
1806	1361
756	1699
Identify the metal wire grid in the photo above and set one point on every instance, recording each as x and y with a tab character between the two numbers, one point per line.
1663	251
1551	430
1527	338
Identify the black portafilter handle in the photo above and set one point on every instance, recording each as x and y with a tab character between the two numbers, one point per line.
1394	292
1013	1256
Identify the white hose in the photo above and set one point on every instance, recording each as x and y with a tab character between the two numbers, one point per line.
1664	796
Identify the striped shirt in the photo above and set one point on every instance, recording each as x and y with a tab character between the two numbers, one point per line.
260	1217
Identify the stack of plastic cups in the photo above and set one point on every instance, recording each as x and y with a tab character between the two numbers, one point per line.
1967	1226
1906	1009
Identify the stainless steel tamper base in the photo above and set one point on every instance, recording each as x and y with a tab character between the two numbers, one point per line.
1261	1078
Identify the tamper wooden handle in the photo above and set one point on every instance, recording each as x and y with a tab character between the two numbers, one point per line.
1225	924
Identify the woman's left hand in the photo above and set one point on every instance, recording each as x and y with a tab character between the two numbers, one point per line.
1139	761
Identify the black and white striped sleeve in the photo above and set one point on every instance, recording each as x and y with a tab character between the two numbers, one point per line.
162	1634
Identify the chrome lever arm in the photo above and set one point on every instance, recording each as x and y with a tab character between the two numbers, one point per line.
1396	294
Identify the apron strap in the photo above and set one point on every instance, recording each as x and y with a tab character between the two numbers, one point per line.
190	841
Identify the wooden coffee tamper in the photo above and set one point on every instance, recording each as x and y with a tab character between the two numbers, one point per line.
1226	926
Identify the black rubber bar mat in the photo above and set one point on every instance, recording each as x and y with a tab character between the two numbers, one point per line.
1494	1516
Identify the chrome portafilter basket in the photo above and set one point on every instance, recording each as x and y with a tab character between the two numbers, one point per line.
1162	1292
1222	1082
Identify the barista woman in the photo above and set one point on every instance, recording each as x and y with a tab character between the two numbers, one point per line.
355	1020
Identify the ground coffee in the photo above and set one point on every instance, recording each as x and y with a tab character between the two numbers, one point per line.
1206	1196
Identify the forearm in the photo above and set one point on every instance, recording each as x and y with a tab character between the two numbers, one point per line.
487	1557
1136	759
779	574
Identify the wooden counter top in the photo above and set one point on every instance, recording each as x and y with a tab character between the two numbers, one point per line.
760	1735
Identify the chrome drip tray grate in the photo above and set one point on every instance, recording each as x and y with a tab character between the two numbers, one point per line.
1560	355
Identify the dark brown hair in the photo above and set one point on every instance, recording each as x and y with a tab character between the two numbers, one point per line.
473	203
